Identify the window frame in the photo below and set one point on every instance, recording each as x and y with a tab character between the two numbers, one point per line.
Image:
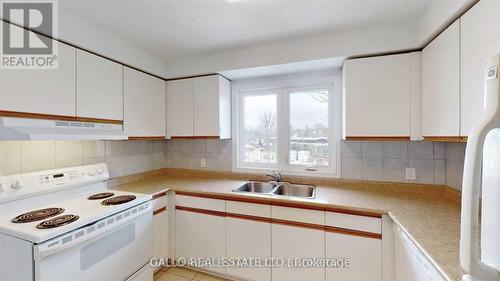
283	87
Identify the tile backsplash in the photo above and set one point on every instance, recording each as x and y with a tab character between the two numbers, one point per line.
435	162
122	157
188	153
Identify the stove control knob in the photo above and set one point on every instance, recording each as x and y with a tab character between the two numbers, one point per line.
2	187
16	185
100	171
91	173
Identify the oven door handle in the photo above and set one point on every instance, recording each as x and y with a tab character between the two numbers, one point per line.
91	232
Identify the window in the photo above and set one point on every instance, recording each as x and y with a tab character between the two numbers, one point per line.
291	128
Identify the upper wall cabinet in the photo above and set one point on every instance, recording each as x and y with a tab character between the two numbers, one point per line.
99	87
199	107
441	85
377	94
42	91
144	104
480	38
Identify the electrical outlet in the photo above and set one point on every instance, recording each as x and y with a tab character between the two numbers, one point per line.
411	173
203	163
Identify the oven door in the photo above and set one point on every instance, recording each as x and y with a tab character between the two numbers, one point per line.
111	249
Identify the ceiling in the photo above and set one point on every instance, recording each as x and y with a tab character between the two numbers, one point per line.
176	29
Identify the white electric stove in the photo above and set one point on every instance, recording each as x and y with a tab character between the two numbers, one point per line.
66	225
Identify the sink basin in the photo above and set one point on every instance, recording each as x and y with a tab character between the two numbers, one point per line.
295	190
256	187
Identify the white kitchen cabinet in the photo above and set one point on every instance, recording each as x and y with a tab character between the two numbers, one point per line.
441	85
377	96
248	239
290	242
480	39
42	91
144	104
199	107
160	226
180	102
99	91
365	255
200	235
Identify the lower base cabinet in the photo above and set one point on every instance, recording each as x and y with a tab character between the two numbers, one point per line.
289	243
364	254
200	236
248	239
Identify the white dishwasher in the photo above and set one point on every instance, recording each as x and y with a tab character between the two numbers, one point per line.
411	264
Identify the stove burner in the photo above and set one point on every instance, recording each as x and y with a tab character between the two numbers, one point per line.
117	200
37	215
101	195
57	221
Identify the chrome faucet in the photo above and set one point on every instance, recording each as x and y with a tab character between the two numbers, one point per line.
276	176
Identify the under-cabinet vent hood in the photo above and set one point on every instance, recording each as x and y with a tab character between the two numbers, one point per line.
37	129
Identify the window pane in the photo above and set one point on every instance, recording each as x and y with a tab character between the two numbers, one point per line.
309	128
260	129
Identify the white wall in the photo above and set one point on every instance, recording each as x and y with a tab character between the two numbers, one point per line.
80	32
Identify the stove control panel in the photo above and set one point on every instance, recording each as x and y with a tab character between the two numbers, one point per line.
25	185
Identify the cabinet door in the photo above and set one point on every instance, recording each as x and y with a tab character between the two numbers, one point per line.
200	236
160	234
144	104
291	242
99	87
206	106
180	108
376	96
441	85
248	239
42	91
365	255
480	39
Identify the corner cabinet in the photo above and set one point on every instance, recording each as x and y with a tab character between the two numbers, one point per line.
441	85
199	107
377	94
144	105
99	87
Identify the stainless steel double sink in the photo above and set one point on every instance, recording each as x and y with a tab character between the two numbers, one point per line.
278	189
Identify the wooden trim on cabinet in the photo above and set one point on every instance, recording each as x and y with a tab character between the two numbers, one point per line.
146	137
195	137
98	120
265	201
159	195
201	211
464	139
378	138
353	232
249	217
160	210
39	116
16	114
193	194
299	224
443	138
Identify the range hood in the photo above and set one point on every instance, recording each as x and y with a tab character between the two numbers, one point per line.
39	129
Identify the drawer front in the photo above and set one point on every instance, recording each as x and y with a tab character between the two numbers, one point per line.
355	222
200	203
298	214
159	200
259	210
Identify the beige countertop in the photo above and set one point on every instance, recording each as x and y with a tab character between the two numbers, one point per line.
429	214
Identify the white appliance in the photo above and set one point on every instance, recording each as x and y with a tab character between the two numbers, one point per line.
38	129
480	242
411	264
65	224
